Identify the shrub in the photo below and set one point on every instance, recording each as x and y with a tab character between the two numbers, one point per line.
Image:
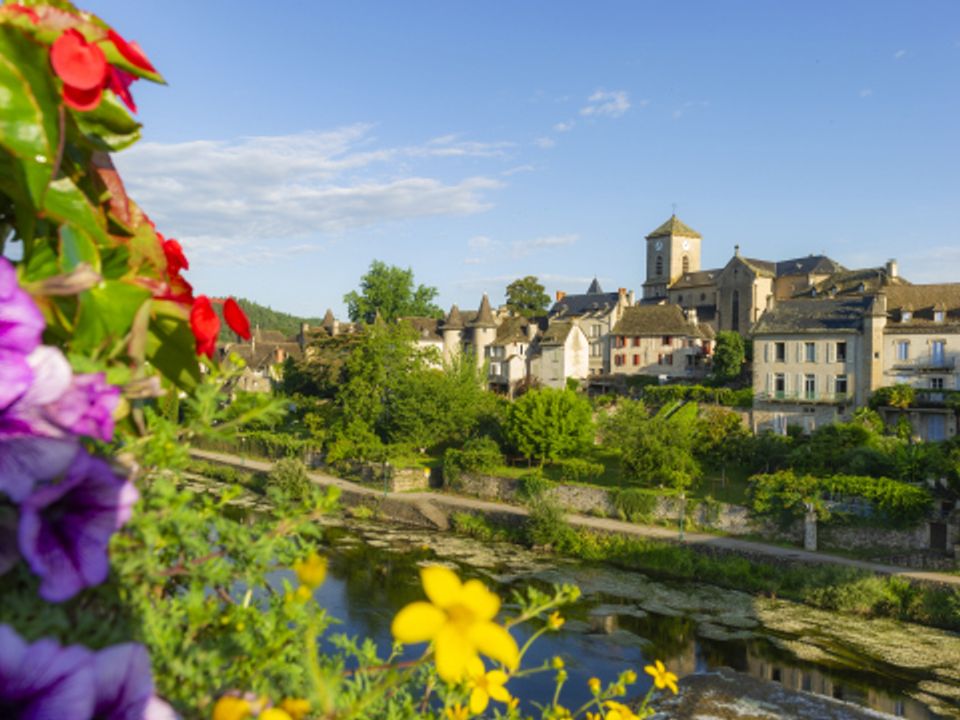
532	486
546	526
477	455
578	470
634	504
289	480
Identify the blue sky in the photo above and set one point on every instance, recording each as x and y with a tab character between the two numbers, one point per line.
480	142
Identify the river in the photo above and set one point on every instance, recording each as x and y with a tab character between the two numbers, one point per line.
626	619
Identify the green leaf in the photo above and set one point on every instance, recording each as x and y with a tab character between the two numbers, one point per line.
75	248
29	103
116	262
171	345
67	204
106	314
109	127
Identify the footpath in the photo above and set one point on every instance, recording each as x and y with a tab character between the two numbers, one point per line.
435	508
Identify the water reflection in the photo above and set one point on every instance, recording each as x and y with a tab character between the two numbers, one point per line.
605	633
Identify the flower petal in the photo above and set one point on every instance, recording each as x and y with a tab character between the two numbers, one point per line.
453	653
478	701
495	642
441	584
484	604
418	622
475	668
498	692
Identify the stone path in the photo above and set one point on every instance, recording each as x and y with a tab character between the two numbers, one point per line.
423	506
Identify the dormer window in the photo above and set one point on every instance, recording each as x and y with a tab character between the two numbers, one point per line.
938	316
906	316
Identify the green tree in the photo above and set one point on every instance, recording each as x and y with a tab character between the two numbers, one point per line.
720	438
390	292
526	297
322	371
548	424
728	356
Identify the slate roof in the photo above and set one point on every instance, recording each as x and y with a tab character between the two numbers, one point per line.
484	316
556	332
673	226
454	321
328	319
922	301
595	288
512	330
761	267
853	282
812	264
427	328
642	320
576	305
813	316
696	279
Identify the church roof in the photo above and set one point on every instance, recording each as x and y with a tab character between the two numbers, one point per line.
696	279
641	320
484	314
812	264
673	226
595	288
853	282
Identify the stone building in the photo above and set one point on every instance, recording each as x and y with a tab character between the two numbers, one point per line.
660	341
560	353
595	313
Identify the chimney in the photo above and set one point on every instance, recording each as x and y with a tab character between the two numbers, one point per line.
771	301
892	270
631	298
560	295
692	316
736	251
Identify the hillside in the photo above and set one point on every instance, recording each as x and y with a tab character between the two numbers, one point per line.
265	318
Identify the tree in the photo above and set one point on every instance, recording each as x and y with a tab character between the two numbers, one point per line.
720	437
728	356
526	297
389	291
548	424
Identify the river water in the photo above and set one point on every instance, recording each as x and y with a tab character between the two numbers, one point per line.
626	619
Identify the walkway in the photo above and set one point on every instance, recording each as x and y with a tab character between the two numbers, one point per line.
427	503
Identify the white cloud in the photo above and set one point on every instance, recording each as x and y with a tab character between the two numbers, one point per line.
233	193
479	242
606	103
899	54
472	261
523	248
562	127
518	169
545	143
866	92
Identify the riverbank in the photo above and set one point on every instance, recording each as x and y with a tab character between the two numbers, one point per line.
821	580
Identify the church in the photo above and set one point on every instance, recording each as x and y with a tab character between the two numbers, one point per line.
734	296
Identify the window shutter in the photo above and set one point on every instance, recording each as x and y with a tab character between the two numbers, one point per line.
766	352
799	352
830	353
799	388
831	385
769	383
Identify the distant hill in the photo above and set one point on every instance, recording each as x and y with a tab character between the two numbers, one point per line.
266	318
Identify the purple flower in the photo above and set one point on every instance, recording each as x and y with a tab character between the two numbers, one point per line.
21	323
58	403
15	377
44	680
25	461
123	684
65	528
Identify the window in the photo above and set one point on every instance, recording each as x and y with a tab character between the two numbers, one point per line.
596	349
636	342
636	359
703	296
936	428
679	299
903	350
810	386
620	341
936	383
618	360
841	352
938	315
668	340
659	264
936	351
906	316
686	264
595	331
810	352
840	386
779	384
668	359
780	352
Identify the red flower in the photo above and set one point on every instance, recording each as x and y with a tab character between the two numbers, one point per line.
83	68
236	318
131	51
205	325
119	81
176	260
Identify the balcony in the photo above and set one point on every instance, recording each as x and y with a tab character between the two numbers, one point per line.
803	397
934	364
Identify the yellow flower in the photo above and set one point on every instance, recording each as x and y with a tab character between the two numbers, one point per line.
459	621
556	662
619	711
231	708
485	685
457	712
555	621
629	677
312	571
593	716
296	708
274	714
594	684
662	677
